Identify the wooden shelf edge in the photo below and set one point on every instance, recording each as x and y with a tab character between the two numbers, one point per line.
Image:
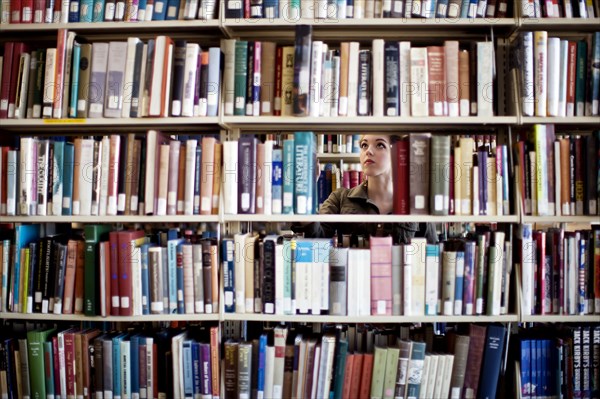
82	318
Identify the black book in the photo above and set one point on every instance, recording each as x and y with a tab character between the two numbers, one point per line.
246	174
364	83
178	77
302	56
250	80
392	65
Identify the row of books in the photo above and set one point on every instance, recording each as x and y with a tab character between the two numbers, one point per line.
359	9
558	77
332	177
558	9
557	175
51	11
119	273
560	271
331	143
291	363
450	175
390	78
562	363
90	363
116	174
311	276
119	79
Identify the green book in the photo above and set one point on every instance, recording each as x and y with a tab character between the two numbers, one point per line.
378	372
94	233
581	78
340	369
240	76
391	371
439	184
36	342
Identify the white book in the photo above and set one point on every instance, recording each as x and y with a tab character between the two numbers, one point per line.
43	165
325	366
326	82
172	186
359	261
553	75
353	79
104	165
320	9
445	391
540	52
27	183
419	81
163	180
562	78
307	9
128	76
485	78
190	176
269	370
527	268
192	52
528	90
431	376
268	178
136	280
98	79
417	247
97	176
335	86
315	77
572	257
378	74
407	262
424	376
12	207
229	176
448	281
315	373
159	70
439	375
57	179
177	365
404	80
49	84
85	185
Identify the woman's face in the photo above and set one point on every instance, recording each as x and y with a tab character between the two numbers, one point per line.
375	154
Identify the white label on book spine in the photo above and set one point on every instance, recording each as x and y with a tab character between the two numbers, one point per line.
301	203
76	208
115	301
159	6
245	200
439	202
121	203
228	298
288	199
134	203
206	204
161	208
266	107
380	307
419	202
125	302
269	308
176	108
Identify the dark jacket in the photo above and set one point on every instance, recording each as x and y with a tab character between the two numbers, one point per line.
355	201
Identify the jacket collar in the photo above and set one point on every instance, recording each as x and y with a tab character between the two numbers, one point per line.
359	192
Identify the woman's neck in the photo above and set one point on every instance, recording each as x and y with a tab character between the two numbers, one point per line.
381	191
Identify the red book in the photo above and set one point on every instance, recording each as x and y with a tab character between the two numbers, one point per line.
348	376
356	375
365	376
57	391
18	49
381	275
278	75
69	340
39	11
474	358
59	76
436	80
115	299
15	12
128	241
79	280
26	11
401	192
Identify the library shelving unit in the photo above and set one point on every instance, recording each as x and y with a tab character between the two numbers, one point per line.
364	30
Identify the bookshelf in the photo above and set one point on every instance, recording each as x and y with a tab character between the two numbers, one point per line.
363	30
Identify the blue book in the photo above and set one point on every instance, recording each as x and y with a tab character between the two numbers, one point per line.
197	381
172	10
227	256
277	180
74	11
214	88
116	361
459	282
525	360
288	176
270	9
262	353
145	278
134	350
337	386
24	235
75	80
492	360
172	244
67	179
160	10
86	10
442	9
188	366
304	176
98	11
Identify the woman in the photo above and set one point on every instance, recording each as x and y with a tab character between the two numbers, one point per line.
374	196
